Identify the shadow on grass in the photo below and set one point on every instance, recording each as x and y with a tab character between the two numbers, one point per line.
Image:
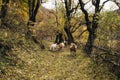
10	60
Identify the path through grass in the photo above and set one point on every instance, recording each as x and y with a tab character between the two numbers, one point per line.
34	64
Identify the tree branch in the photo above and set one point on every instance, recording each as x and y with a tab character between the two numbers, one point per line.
37	7
82	33
103	5
55	16
74	27
75	8
86	15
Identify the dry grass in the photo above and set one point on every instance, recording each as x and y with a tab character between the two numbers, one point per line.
34	64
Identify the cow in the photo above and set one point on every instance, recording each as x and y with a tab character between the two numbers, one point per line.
57	47
53	47
73	48
61	46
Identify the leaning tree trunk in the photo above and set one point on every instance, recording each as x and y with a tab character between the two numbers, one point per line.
4	12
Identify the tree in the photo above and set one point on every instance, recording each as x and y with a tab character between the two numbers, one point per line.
33	9
4	12
91	25
63	17
67	26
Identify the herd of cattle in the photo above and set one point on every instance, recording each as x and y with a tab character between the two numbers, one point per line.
62	45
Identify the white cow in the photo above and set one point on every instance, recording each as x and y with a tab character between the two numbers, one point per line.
54	47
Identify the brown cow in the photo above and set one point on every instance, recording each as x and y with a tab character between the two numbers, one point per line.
61	46
73	48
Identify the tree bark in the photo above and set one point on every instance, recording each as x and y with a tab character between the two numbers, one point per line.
69	35
67	22
59	38
33	9
90	42
4	12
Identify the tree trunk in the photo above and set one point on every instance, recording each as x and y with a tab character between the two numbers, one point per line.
90	42
92	35
4	12
69	35
33	9
59	38
91	26
31	4
68	19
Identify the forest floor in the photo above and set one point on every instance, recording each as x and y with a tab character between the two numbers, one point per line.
24	63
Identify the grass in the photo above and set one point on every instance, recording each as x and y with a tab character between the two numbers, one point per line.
34	64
